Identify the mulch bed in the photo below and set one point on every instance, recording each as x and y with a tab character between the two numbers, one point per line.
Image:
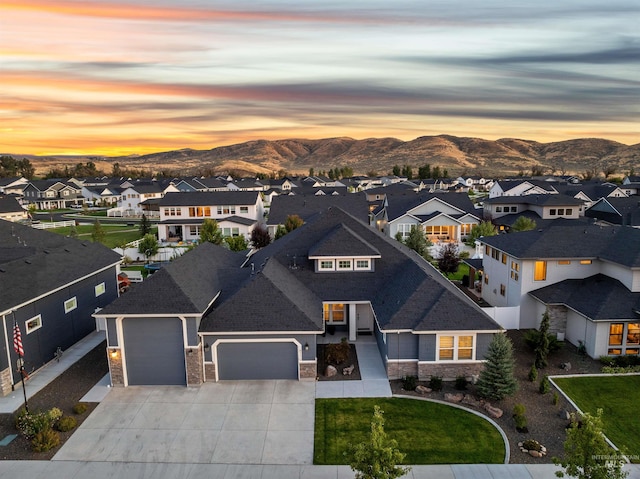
352	360
64	392
544	419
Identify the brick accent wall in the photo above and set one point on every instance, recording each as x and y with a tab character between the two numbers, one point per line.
194	366
401	369
5	381
557	319
210	372
115	367
448	371
309	371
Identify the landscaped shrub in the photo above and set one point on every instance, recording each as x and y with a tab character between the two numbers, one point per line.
620	370
531	339
621	361
533	373
80	408
435	383
519	418
556	399
31	423
45	440
409	383
607	360
461	383
545	386
66	423
337	353
532	445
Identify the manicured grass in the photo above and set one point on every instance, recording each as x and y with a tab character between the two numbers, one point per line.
618	398
116	235
428	433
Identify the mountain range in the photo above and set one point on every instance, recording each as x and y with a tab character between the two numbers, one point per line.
459	155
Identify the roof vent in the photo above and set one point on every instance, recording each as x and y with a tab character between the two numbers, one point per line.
67	250
46	251
28	261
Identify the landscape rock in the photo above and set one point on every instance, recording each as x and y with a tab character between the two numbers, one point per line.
533	453
454	397
422	389
330	371
566	415
471	400
493	411
348	371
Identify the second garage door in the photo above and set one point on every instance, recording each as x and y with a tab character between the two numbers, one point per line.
257	361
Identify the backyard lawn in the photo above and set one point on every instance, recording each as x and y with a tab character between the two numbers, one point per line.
115	235
618	398
427	432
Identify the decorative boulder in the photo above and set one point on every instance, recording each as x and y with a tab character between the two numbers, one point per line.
453	397
348	371
471	400
422	389
493	411
330	371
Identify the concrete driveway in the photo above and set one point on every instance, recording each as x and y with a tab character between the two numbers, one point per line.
236	422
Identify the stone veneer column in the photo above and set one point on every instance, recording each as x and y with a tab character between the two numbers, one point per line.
398	370
448	371
308	370
557	319
210	372
6	382
115	367
194	366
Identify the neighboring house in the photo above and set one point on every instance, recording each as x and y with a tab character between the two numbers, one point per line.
616	211
547	207
143	198
182	214
589	193
215	315
11	209
444	217
52	194
107	195
478	183
13	185
51	284
587	275
521	187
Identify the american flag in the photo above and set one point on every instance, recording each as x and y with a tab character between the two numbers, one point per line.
17	340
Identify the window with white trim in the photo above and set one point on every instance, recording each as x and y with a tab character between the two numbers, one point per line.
404	229
100	289
363	264
455	347
244	209
33	324
344	264
334	312
326	265
70	304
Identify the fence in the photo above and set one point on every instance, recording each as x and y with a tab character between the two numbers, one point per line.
54	224
507	316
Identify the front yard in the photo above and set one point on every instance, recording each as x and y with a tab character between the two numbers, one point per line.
617	396
427	432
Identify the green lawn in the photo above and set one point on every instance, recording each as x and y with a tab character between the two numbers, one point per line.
427	432
618	398
116	235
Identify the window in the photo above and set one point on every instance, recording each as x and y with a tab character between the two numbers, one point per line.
70	304
100	289
552	212
564	262
504	258
244	209
404	229
487	250
514	275
453	348
633	334
344	264
326	265
498	209
585	261
334	312
199	211
32	324
486	279
362	264
194	230
230	231
495	254
561	211
569	211
615	333
503	289
514	209
540	271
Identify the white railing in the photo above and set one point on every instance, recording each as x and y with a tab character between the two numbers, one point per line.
54	224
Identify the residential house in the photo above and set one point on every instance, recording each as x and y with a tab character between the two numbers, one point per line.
142	198
52	194
51	284
587	276
521	187
11	209
617	211
182	214
14	185
546	207
589	193
214	315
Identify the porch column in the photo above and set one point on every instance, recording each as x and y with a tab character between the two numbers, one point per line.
353	320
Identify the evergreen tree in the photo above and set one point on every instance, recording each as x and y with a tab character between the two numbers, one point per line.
424	172
73	231
485	228
396	170
497	379
236	243
449	259
587	455
209	232
280	231
311	172
542	347
523	224
97	232
417	241
145	225
435	173
377	458
148	246
260	237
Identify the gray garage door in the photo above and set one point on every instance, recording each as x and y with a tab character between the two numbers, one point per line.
154	351
257	361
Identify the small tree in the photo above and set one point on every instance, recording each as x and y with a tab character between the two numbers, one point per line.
292	222
73	231
449	259
97	232
148	246
586	452
485	228
417	241
145	225
236	243
260	236
542	348
497	379
209	232
523	224
377	458
280	231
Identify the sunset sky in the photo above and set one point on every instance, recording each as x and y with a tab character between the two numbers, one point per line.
124	77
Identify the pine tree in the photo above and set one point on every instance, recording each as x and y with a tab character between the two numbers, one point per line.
145	225
97	233
497	379
542	348
209	232
377	458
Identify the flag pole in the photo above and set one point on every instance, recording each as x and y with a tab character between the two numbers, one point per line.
17	346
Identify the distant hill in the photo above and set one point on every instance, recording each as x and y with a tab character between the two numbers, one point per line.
456	154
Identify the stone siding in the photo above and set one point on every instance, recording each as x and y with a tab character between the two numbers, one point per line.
6	382
448	371
115	367
210	372
398	370
557	319
194	366
309	371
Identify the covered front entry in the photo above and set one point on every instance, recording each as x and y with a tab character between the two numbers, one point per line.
257	360
154	351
